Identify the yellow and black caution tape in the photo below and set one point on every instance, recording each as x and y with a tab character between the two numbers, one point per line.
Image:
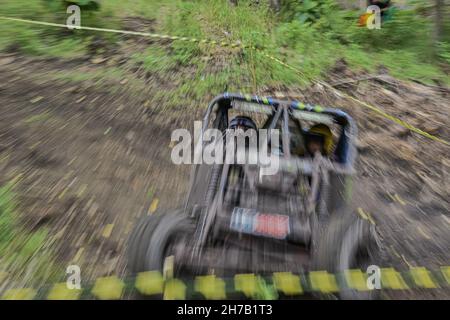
387	116
375	109
250	286
136	33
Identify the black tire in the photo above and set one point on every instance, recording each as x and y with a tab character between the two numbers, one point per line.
152	237
172	229
138	240
348	242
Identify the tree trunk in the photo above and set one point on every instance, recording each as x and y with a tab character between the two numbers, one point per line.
275	5
438	20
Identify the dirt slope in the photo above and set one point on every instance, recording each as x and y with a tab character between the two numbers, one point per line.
96	156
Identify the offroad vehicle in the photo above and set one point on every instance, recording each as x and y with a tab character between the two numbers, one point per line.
238	220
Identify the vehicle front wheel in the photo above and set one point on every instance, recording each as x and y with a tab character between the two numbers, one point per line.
157	237
348	242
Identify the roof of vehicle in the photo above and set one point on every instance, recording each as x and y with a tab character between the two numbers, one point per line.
345	149
340	116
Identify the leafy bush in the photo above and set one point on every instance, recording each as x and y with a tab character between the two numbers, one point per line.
85	5
444	51
307	11
405	29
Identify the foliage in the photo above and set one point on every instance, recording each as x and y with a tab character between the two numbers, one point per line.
21	252
6	216
444	51
85	5
307	11
309	34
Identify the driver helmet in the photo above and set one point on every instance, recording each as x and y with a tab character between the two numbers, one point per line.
321	133
242	122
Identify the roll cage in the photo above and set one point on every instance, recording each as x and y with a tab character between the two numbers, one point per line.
344	153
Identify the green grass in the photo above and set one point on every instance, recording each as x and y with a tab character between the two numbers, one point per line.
402	45
49	41
38	118
155	59
112	78
6	216
24	255
96	76
147	9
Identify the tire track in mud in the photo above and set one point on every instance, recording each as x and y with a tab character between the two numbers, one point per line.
89	160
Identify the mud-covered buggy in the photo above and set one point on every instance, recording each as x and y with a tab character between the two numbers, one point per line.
243	216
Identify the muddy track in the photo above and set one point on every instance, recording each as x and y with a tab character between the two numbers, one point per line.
97	156
87	159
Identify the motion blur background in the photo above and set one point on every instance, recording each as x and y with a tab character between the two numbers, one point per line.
86	118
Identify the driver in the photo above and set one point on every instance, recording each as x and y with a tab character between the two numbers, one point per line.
242	122
319	139
383	4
